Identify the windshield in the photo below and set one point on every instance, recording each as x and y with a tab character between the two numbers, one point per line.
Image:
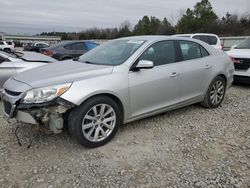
114	52
244	45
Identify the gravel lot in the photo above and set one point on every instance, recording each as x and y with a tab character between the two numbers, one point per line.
189	147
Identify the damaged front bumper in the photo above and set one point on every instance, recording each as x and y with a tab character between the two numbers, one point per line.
49	114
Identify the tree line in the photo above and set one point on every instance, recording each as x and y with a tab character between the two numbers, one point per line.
201	18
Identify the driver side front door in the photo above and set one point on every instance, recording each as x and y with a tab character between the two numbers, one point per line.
157	88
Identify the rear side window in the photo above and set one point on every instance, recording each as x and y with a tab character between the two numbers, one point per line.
1	43
75	46
190	50
212	40
160	53
90	45
204	52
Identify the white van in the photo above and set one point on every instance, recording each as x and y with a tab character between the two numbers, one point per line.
211	39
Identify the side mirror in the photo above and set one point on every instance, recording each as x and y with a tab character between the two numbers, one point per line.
145	64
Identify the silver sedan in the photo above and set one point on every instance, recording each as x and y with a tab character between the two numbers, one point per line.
11	64
118	82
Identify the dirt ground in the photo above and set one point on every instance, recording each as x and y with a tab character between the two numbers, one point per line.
188	147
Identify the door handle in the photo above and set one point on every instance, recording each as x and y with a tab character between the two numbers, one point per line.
174	74
208	67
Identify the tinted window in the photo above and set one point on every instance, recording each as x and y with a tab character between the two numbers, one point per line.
160	53
44	45
204	52
90	45
39	45
1	43
190	50
212	40
75	46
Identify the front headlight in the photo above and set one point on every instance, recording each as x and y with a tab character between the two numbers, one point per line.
45	94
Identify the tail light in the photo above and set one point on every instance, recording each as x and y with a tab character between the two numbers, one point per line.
222	46
47	52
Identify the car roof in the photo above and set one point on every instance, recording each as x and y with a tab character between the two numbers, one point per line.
75	41
151	38
192	34
63	43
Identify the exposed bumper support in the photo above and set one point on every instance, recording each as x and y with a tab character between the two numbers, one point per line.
48	114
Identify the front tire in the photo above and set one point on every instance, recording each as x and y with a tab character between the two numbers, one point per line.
95	122
215	93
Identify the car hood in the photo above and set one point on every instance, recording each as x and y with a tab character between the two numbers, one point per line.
240	53
61	72
33	56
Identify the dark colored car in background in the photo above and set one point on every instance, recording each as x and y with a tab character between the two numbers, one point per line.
35	47
69	49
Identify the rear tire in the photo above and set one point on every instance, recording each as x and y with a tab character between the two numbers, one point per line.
95	122
215	93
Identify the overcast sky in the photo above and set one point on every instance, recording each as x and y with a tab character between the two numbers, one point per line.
35	16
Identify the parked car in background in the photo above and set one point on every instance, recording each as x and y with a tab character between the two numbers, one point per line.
208	38
119	82
69	49
11	64
35	47
7	46
241	57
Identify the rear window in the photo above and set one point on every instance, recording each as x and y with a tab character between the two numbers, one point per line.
212	40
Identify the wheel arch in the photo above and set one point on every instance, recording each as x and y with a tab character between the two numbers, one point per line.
7	49
224	77
113	97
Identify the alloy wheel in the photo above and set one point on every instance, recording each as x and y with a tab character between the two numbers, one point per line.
99	122
217	92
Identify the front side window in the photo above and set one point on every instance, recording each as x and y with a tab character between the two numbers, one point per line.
160	53
114	52
190	50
